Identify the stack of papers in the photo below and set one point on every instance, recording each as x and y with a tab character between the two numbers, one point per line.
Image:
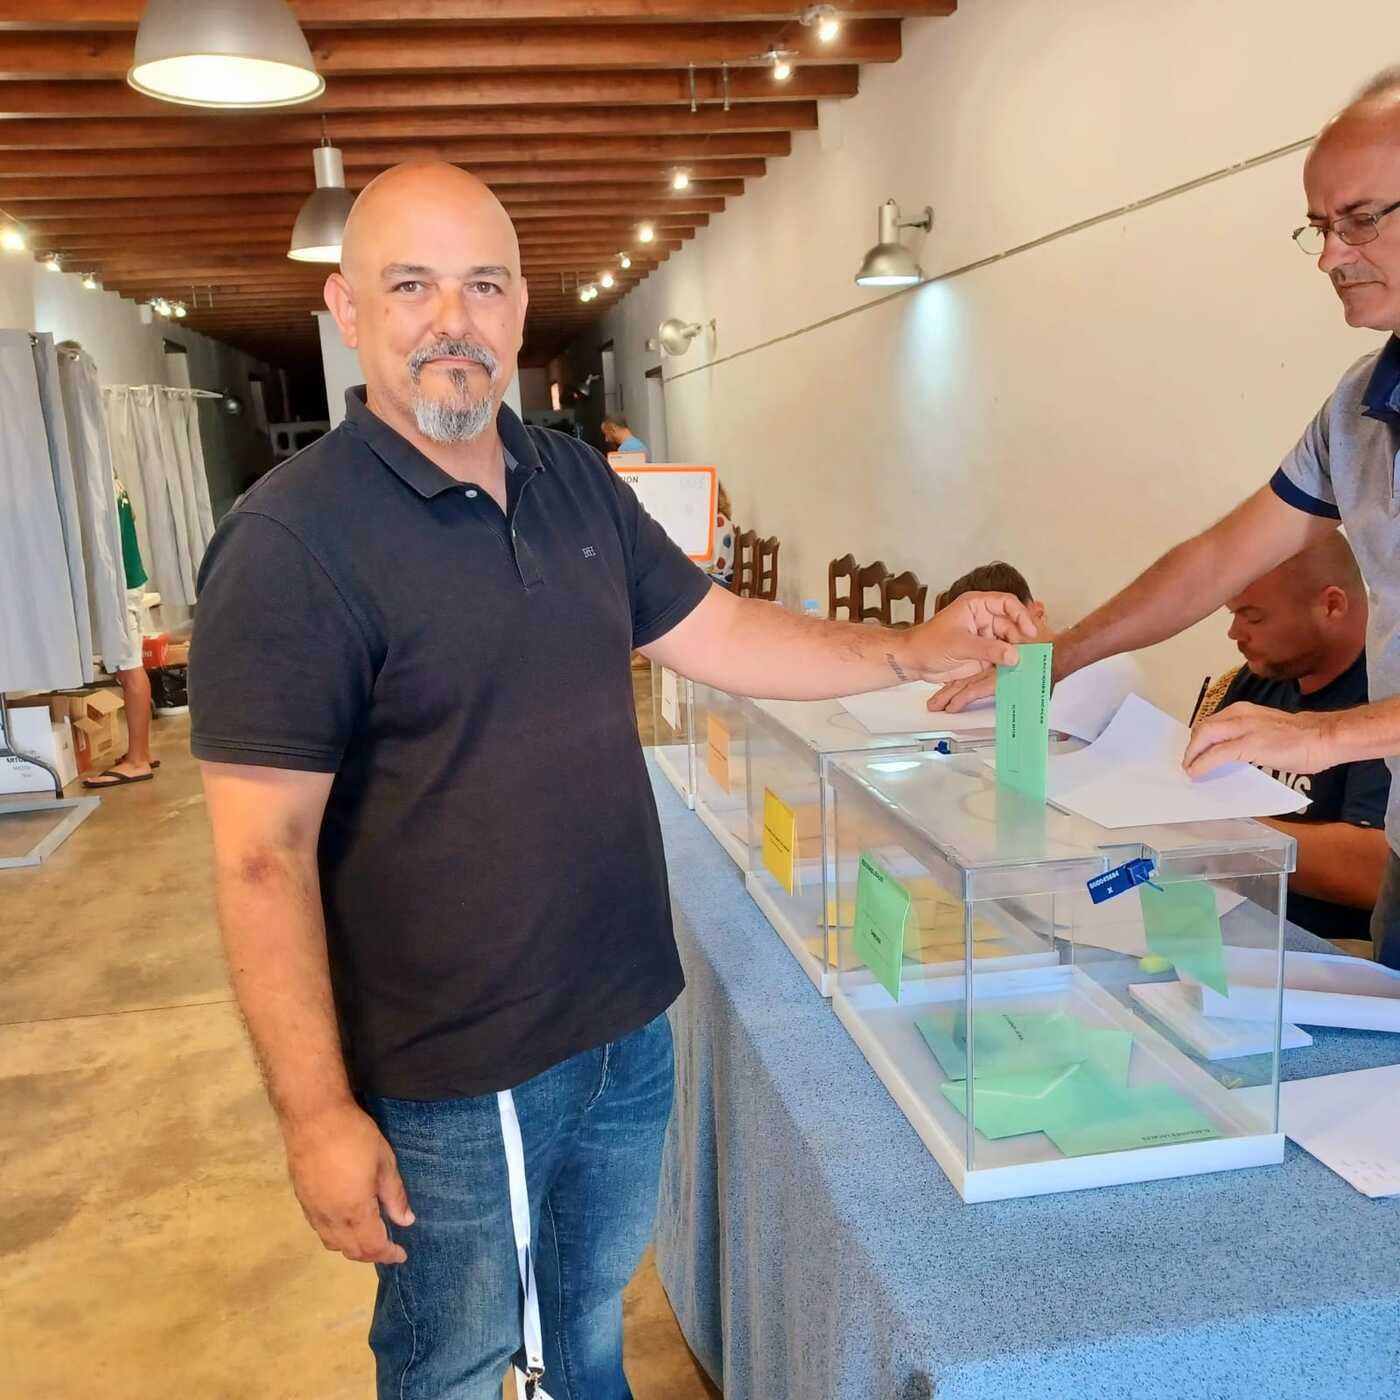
1132	776
1081	705
1347	1121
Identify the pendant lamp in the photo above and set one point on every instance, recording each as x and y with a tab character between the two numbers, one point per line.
320	227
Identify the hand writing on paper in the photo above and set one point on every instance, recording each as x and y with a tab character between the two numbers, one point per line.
1253	734
967	638
959	694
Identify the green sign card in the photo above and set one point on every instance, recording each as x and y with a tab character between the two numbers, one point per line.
881	916
1023	720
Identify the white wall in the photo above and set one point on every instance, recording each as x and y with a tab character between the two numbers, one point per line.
340	365
16	291
106	325
1076	408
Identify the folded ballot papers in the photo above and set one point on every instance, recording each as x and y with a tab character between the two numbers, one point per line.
1080	705
1131	775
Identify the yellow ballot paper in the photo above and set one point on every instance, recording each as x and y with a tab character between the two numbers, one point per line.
780	840
717	750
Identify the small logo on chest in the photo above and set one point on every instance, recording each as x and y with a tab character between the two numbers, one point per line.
589	552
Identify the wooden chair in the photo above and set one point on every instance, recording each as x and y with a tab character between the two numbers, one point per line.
766	571
906	588
871	576
745	563
838	569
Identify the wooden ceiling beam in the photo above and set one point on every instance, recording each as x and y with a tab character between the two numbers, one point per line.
109	54
351	14
527	167
174	227
628	181
559	87
79	133
649	204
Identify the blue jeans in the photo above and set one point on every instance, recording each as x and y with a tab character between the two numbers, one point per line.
448	1322
1385	918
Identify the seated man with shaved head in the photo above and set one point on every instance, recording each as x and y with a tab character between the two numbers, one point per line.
1302	632
1344	470
439	866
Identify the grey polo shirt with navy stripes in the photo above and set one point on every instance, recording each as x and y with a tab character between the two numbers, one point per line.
1346	467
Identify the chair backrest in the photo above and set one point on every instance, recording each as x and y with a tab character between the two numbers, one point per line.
871	576
838	569
766	585
745	563
903	587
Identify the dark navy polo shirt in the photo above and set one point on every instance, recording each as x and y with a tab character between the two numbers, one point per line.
490	859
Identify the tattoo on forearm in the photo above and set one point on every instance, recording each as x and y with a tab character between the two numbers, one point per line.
896	667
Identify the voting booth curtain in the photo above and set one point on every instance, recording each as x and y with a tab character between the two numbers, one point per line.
62	581
158	456
62	594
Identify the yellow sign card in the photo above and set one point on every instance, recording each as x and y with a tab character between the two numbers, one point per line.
780	840
717	750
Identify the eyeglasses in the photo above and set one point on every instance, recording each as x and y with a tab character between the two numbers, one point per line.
1353	229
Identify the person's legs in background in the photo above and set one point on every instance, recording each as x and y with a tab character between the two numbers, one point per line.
136	692
1385	918
135	765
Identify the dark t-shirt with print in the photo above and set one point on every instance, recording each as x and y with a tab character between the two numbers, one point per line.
1350	792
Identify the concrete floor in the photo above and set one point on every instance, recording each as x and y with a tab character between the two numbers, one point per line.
150	1247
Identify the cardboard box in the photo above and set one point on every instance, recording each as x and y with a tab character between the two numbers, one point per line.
98	722
34	730
99	729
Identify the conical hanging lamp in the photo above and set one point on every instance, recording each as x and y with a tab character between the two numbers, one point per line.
223	53
320	227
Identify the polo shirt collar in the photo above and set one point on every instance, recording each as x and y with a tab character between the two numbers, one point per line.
1382	396
411	466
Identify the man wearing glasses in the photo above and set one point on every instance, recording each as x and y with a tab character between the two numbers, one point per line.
1345	470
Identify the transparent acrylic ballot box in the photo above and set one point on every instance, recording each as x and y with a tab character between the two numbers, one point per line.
789	745
1096	1065
719	733
671	725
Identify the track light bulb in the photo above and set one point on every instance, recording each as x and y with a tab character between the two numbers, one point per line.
680	180
624	261
782	69
607	280
54	263
90	283
181	311
646	233
12	239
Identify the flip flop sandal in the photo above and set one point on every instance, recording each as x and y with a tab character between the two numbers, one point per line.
115	779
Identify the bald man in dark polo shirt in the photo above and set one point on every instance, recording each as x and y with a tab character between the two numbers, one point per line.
440	874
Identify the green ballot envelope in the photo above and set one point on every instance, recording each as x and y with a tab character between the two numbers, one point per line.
1023	720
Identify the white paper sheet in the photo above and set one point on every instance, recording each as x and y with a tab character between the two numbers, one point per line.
1348	1122
1081	705
903	709
1319	989
1178	1006
1131	776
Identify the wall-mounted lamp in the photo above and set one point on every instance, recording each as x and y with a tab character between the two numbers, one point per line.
90	283
12	239
673	336
53	262
889	263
